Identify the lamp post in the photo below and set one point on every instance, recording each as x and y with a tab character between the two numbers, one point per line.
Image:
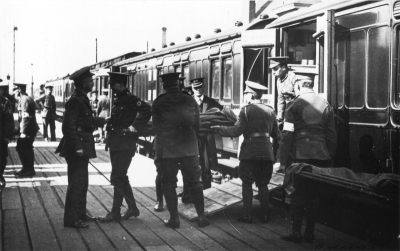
8	82
32	81
15	29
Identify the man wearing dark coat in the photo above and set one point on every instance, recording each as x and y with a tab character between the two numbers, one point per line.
128	115
77	147
257	123
205	103
6	130
48	102
308	136
27	130
176	120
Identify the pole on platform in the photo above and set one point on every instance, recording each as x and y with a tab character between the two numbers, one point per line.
15	29
32	81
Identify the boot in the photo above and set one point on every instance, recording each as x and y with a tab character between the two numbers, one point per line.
263	193
247	194
172	205
198	201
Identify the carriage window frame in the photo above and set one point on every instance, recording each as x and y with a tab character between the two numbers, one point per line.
396	83
224	99
216	96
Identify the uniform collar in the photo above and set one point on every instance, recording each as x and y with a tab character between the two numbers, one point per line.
256	101
123	93
199	99
304	91
172	89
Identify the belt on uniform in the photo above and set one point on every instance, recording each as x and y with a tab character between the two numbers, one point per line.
178	129
311	131
84	129
258	134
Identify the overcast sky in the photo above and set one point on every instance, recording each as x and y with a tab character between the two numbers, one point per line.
58	37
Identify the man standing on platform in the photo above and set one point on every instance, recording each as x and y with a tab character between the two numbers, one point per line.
308	136
122	138
257	123
27	130
77	147
176	120
48	102
6	130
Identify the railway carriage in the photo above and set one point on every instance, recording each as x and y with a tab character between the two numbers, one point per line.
354	47
220	59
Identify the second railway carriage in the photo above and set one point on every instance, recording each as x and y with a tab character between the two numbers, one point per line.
354	48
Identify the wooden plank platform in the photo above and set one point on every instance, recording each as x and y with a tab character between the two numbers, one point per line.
31	215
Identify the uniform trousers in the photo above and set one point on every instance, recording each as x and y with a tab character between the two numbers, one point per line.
120	162
78	182
25	152
3	155
305	200
46	123
190	169
260	172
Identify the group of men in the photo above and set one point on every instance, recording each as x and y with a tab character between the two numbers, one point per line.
175	123
307	135
25	130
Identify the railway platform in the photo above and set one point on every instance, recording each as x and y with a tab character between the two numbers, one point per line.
31	215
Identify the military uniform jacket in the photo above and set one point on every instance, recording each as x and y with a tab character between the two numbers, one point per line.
124	114
309	129
49	106
26	116
284	85
254	118
209	103
6	119
176	120
78	127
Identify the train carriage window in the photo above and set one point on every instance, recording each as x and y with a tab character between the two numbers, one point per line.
160	87
227	79
356	70
192	70
198	69
171	68
186	75
236	78
215	79
301	47
178	68
205	76
396	86
378	61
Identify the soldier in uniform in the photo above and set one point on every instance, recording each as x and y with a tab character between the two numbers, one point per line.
48	102
257	123
121	141
77	147
6	130
27	130
176	120
285	83
308	136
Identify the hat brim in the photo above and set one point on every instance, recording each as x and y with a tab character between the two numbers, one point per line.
271	66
